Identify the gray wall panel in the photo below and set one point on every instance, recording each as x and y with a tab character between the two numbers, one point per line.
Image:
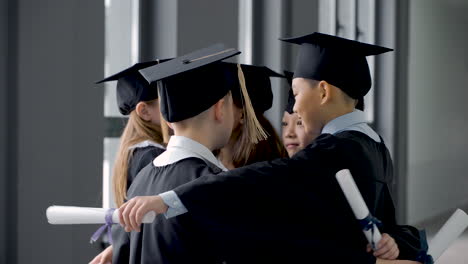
3	125
60	119
11	105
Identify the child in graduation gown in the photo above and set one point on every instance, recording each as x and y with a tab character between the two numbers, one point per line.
241	150
294	136
196	100
293	209
142	139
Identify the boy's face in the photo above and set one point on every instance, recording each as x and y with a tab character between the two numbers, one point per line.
294	135
308	103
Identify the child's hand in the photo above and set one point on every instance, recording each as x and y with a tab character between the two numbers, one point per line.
104	258
387	248
132	212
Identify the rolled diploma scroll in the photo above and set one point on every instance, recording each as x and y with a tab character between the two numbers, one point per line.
449	232
355	200
70	215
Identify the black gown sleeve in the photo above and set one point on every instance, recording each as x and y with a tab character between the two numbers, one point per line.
121	245
378	197
406	236
281	209
408	241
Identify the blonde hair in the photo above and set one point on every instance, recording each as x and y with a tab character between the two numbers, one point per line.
254	129
246	152
136	130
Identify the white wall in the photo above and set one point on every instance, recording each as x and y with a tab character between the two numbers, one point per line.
437	107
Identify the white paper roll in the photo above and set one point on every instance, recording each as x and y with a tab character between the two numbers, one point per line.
355	200
70	215
450	231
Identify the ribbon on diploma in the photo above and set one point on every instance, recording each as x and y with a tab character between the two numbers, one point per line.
107	225
423	257
370	223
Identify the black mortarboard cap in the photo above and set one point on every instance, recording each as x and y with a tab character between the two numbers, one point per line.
339	61
257	82
132	88
291	101
192	83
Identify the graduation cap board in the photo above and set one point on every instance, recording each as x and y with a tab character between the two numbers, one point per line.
192	83
339	61
132	88
257	81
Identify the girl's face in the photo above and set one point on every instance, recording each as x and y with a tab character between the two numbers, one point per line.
149	111
153	113
295	138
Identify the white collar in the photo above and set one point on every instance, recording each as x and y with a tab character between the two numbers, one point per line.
145	144
351	121
342	122
180	147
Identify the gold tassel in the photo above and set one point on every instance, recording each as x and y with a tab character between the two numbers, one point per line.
254	128
164	126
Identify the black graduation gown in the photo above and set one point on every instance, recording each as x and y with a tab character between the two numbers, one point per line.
174	240
139	159
293	209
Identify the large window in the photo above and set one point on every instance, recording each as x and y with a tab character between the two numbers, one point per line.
352	19
121	51
169	28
